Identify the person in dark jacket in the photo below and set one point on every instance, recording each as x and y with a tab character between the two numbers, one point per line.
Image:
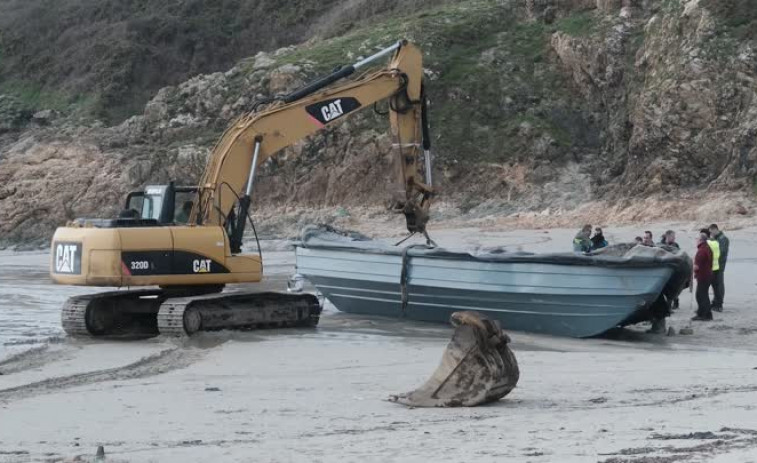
718	283
669	239
598	241
703	275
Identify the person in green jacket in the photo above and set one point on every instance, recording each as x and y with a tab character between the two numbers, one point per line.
582	242
718	283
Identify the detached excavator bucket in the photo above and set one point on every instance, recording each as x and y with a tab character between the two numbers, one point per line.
477	367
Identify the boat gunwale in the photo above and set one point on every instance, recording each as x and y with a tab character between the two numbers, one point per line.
568	259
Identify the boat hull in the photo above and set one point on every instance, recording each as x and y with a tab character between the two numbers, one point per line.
542	297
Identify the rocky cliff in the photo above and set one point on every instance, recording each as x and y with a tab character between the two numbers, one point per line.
547	106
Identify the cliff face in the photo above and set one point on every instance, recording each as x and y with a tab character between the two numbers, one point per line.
679	98
536	104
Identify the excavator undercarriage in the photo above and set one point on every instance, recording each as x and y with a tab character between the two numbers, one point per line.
184	312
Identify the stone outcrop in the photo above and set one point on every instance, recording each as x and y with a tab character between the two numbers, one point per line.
697	114
46	183
680	108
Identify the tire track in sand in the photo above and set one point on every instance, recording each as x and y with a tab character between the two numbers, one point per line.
167	360
31	358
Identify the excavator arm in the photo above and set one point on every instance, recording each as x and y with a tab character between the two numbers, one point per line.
230	173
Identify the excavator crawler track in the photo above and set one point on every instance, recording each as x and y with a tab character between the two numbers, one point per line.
114	313
238	311
73	316
146	313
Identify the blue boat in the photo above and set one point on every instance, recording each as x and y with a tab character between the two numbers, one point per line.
558	294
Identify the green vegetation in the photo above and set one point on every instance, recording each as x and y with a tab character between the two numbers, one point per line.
489	71
581	24
559	134
444	25
115	54
737	18
670	6
33	96
736	24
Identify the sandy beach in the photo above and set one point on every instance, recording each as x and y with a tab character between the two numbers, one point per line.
320	394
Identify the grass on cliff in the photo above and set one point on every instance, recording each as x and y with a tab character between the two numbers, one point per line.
490	70
487	66
737	18
33	96
582	24
115	54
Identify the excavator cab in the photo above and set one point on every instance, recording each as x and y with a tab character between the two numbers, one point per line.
160	204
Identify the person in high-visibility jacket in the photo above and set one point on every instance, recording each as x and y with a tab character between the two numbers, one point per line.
718	280
714	247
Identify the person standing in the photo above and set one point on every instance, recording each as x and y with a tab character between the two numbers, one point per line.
582	241
718	279
703	274
669	240
714	247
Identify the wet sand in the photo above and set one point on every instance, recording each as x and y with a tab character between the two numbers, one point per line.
319	395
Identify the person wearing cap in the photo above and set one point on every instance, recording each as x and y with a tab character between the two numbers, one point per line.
718	283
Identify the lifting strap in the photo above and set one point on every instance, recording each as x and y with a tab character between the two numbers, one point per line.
405	275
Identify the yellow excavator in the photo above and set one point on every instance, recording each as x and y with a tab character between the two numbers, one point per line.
191	258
